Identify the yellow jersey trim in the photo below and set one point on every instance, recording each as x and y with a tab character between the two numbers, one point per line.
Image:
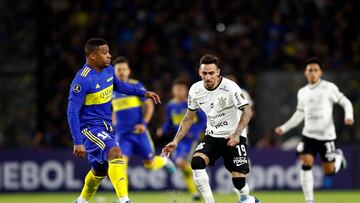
126	103
85	72
100	97
177	118
94	139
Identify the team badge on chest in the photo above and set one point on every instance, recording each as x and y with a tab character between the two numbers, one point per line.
222	101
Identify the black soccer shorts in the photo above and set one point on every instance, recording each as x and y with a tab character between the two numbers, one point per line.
235	158
326	148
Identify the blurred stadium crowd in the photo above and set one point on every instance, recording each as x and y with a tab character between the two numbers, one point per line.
163	40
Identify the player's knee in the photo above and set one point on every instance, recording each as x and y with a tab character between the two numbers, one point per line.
328	171
306	167
198	163
114	153
239	182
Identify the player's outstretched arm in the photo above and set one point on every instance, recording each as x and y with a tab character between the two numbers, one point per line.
182	131
152	95
294	121
244	121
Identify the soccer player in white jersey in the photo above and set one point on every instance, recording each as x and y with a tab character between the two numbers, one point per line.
315	106
228	113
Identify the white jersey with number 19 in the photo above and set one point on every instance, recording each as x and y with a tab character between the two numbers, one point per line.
222	106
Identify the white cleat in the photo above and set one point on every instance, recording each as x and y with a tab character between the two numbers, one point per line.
343	160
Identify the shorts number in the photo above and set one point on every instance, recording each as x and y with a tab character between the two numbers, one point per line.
330	147
241	149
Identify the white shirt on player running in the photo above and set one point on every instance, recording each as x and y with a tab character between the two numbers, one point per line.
222	106
315	106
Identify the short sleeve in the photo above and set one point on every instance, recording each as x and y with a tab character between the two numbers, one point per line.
300	102
238	97
192	105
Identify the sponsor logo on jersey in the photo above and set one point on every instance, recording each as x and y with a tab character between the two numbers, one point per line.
218	125
77	88
217	116
238	161
212	105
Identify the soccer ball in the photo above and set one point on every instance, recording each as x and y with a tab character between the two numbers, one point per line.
251	199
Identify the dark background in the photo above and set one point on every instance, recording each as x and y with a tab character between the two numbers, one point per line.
264	43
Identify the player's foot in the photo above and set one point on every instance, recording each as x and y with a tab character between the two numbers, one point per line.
343	160
76	201
169	166
196	197
310	201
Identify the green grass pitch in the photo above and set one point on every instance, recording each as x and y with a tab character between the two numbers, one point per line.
352	196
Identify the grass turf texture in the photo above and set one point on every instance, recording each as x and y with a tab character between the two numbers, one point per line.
352	196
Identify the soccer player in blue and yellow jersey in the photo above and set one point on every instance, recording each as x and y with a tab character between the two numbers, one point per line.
89	117
175	112
131	114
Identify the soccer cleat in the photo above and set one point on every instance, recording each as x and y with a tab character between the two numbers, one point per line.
310	201
169	166
343	160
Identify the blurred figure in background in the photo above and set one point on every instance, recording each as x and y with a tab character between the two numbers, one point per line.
315	107
175	112
131	115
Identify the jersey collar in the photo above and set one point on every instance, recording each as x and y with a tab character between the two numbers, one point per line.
315	85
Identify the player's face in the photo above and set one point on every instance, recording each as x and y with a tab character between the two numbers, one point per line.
102	56
313	73
122	71
179	91
210	74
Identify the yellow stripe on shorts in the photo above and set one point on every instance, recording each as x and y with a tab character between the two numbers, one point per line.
94	139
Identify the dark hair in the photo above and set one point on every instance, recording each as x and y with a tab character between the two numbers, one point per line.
120	59
181	81
92	44
313	60
209	59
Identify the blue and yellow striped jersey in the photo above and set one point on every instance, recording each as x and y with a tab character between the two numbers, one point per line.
175	112
128	109
90	98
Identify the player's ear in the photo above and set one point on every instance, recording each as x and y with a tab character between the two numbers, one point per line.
218	71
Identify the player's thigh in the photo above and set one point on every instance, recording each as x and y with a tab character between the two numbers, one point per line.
209	150
306	151
236	159
125	143
144	146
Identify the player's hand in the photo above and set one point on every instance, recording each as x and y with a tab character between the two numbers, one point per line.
152	95
232	140
279	131
169	148
159	132
349	121
79	150
139	128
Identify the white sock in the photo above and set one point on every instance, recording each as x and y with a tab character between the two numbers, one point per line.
307	183
243	193
80	199
123	199
337	164
201	179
